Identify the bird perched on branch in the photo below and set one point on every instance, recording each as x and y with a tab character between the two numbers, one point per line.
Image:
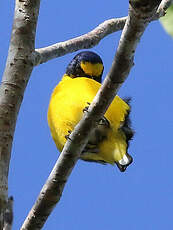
108	143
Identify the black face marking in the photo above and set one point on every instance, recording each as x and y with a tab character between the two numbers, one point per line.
74	70
96	78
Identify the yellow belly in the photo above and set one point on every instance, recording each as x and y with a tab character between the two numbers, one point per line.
66	106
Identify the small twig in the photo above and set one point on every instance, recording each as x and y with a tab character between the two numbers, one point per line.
165	4
138	18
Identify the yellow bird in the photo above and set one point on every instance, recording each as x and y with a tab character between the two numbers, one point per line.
109	142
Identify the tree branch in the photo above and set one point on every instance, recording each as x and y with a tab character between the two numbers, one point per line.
85	41
140	15
165	4
8	217
17	71
90	39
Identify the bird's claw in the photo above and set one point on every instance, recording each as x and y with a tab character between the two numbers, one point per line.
86	108
67	136
104	121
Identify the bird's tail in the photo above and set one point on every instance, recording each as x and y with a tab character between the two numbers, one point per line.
124	162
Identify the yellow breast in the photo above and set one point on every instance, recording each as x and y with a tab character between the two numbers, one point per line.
68	100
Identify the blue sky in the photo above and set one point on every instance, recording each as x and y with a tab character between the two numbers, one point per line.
96	196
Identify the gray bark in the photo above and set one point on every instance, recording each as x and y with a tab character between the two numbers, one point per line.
16	75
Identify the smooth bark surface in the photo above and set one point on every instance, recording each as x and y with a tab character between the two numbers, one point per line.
17	72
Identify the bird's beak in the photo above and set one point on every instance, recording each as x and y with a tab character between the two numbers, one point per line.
124	162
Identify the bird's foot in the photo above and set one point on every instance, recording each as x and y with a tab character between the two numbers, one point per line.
103	121
86	108
67	136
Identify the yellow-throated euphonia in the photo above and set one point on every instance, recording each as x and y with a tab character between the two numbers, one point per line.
109	142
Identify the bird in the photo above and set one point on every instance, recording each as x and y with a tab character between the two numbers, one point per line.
109	141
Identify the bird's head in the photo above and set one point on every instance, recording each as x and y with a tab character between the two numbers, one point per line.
86	64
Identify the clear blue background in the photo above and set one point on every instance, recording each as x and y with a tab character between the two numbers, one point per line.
96	196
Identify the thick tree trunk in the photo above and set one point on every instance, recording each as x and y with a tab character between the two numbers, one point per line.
16	75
